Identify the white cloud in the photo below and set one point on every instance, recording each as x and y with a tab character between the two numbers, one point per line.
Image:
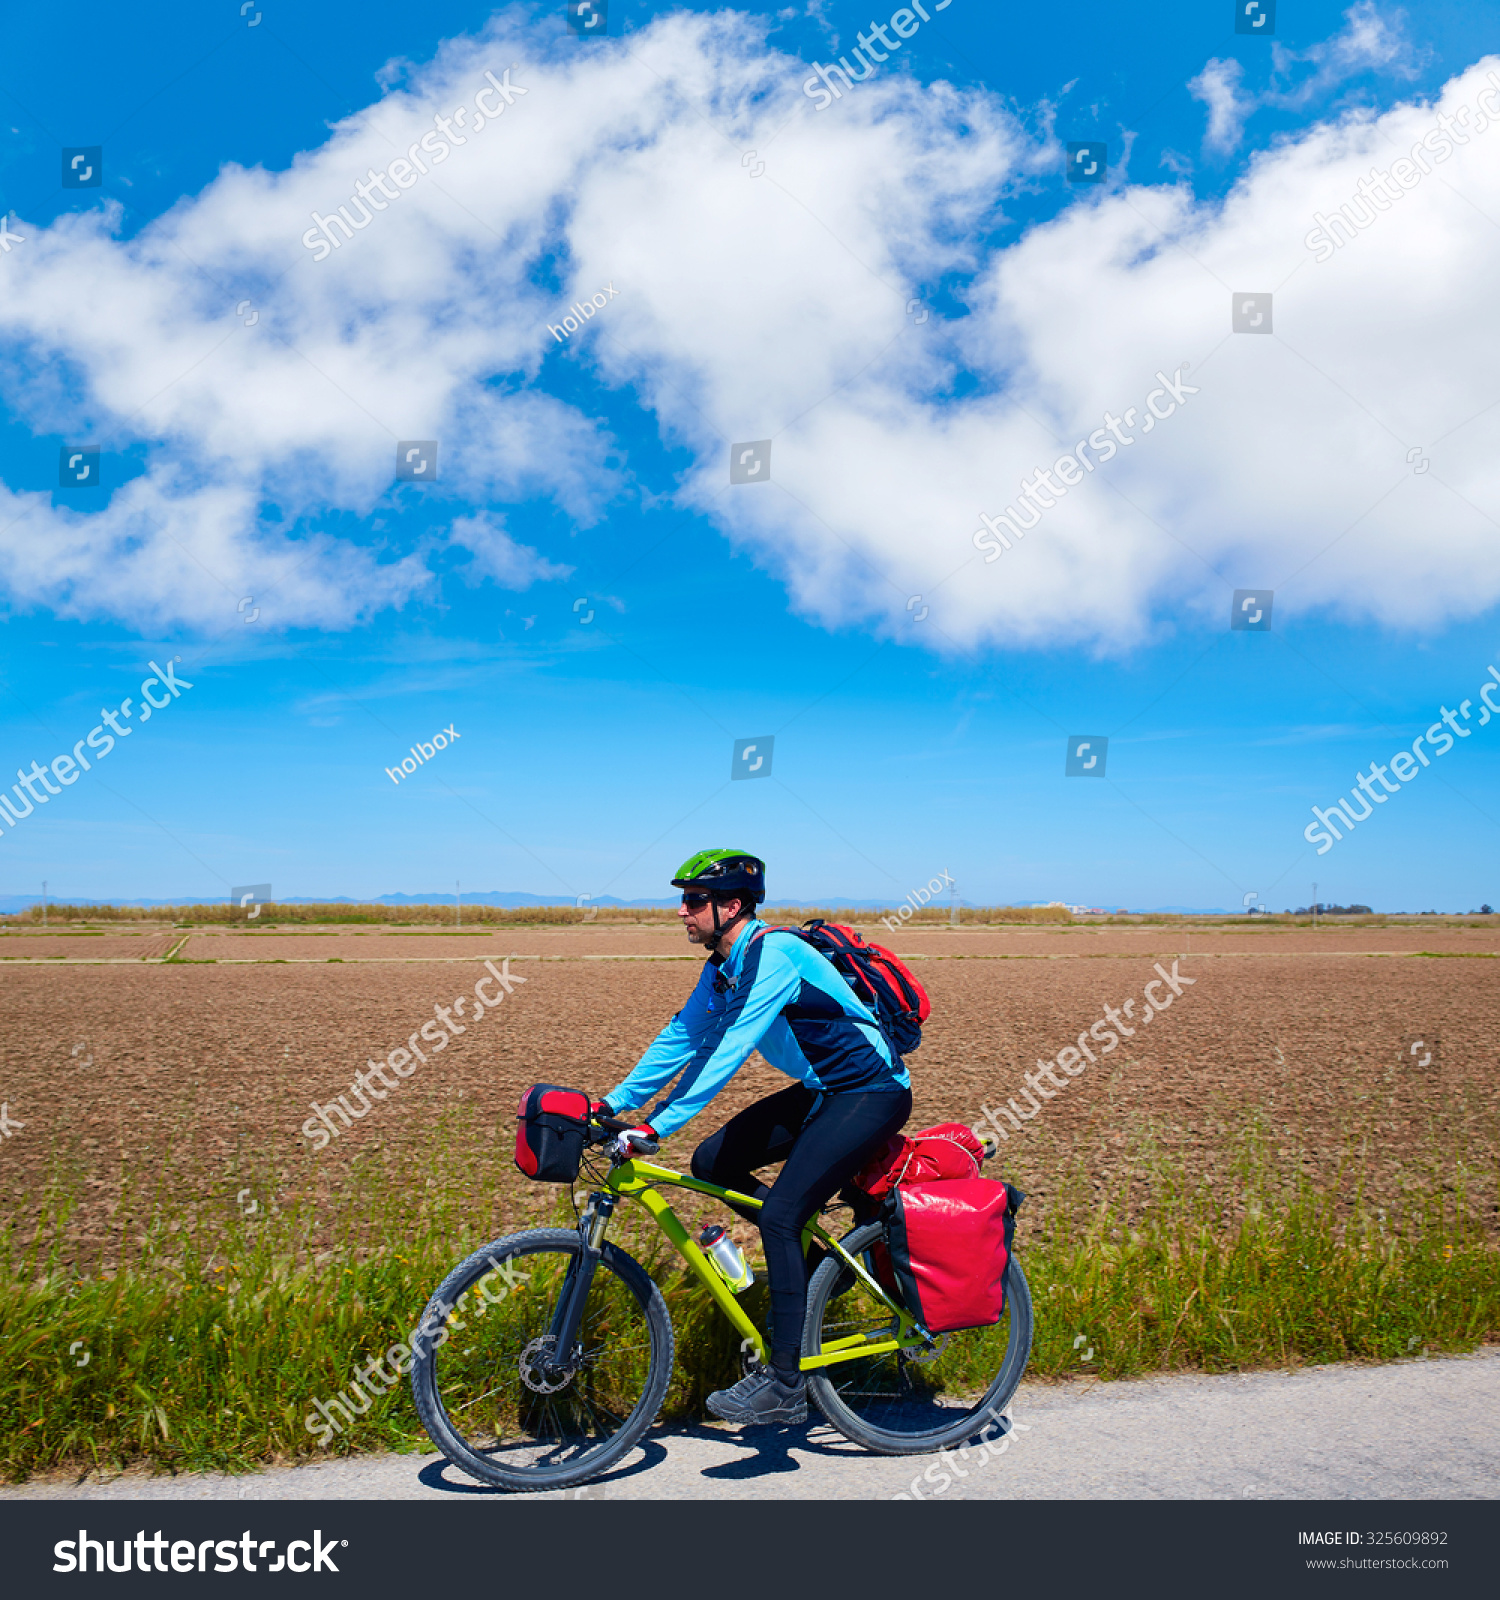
498	556
1217	86
1366	43
777	306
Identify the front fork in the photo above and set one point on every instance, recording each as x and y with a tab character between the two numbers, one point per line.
568	1316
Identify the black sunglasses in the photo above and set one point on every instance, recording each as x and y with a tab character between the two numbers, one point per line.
696	902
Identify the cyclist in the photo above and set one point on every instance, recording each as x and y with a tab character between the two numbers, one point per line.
852	1093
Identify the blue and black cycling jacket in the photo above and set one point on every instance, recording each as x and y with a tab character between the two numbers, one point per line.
777	995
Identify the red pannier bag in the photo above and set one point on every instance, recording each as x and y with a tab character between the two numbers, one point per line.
949	1150
550	1129
949	1243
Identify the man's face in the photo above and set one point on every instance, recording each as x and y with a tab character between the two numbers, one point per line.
699	920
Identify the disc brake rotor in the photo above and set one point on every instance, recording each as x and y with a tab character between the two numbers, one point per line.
931	1353
535	1359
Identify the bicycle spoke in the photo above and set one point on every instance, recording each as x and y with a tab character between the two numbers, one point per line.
593	1412
509	1406
590	1356
906	1399
469	1405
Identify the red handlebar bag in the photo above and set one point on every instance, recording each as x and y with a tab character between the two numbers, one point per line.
550	1129
949	1243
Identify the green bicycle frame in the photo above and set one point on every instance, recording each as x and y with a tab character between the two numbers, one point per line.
640	1180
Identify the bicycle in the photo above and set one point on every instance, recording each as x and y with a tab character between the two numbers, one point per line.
565	1368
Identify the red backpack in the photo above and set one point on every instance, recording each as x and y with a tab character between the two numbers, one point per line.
880	980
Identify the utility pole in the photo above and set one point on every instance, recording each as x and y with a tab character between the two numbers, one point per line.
953	913
458	907
44	902
1315	905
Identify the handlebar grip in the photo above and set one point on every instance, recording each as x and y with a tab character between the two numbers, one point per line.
613	1125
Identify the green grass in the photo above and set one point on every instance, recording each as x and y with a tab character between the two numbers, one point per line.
209	1334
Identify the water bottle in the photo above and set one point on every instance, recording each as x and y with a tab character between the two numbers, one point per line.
725	1254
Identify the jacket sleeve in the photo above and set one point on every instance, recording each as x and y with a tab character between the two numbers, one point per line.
768	983
670	1051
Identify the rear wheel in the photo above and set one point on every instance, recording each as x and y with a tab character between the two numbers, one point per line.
911	1402
495	1396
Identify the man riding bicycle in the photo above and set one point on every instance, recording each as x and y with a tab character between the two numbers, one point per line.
852	1093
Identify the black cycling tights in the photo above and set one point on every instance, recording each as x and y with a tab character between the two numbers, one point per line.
821	1153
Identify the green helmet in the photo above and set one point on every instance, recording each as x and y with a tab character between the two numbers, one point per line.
724	872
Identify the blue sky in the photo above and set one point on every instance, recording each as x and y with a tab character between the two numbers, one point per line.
903	293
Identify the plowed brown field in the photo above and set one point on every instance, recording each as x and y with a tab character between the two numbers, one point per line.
115	1066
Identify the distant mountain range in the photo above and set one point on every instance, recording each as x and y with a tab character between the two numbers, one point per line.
10	904
510	899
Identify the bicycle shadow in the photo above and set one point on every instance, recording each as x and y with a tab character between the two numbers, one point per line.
442	1475
768	1451
769	1448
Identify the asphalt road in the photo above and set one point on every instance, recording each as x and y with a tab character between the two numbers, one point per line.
1415	1430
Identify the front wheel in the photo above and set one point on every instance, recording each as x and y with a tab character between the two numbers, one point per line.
496	1396
911	1402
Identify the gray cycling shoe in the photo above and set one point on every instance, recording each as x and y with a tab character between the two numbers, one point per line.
762	1397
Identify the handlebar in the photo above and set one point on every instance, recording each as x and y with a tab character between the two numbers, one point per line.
602	1129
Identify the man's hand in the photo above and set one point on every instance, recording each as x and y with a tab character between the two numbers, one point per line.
635	1141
